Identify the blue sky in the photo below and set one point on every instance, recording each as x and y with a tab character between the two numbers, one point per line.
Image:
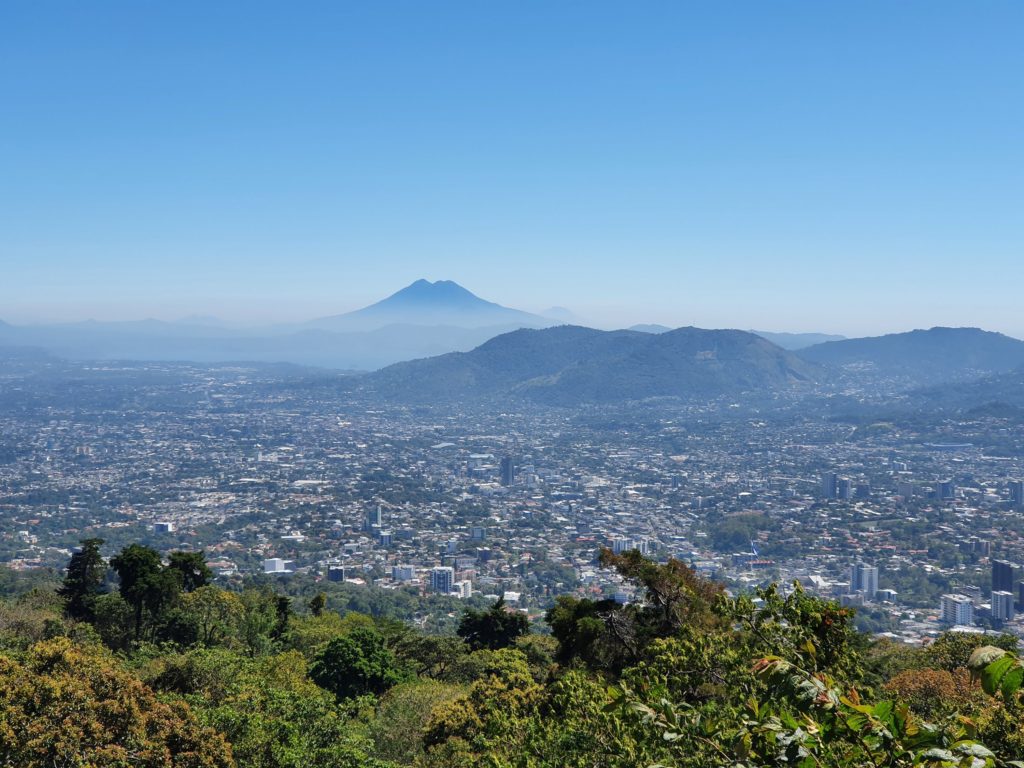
842	167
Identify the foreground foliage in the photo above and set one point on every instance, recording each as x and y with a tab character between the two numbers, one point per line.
166	670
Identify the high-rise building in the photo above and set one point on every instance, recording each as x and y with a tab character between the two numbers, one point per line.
974	545
864	578
442	579
1017	493
508	470
622	544
1005	575
946	490
1002	606
972	591
829	485
336	573
844	489
374	518
403	572
957	610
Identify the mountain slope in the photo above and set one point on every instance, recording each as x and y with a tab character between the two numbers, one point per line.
925	356
795	341
570	365
424	303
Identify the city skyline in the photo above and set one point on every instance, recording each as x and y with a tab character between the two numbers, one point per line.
805	170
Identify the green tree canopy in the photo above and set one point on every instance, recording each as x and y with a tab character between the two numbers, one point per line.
495	628
84	580
145	584
356	664
68	706
192	569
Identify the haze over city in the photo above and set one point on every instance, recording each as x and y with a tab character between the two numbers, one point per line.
852	170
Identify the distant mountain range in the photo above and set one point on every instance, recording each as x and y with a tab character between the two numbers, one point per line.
570	365
543	360
924	356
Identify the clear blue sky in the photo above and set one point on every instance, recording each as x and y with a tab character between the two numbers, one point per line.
847	167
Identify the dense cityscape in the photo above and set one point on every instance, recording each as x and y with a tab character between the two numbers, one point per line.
281	473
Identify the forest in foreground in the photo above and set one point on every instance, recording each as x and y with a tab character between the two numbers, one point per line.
142	662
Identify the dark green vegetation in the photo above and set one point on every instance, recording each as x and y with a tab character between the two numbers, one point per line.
193	676
571	365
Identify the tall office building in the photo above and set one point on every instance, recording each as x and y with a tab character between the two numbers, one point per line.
906	490
1005	575
864	578
957	609
508	470
844	489
374	518
1002	606
442	579
1017	493
829	485
946	490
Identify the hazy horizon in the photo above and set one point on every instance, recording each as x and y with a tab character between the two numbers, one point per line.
800	168
244	321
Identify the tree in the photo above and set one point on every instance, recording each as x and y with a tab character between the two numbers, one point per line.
583	629
674	594
356	664
495	628
113	621
84	580
318	603
267	707
69	706
283	608
933	692
608	636
491	720
404	711
309	634
215	613
145	584
192	569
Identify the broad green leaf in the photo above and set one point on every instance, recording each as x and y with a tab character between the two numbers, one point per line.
992	674
1011	680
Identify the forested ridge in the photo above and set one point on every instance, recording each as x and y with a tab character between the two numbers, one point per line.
143	661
